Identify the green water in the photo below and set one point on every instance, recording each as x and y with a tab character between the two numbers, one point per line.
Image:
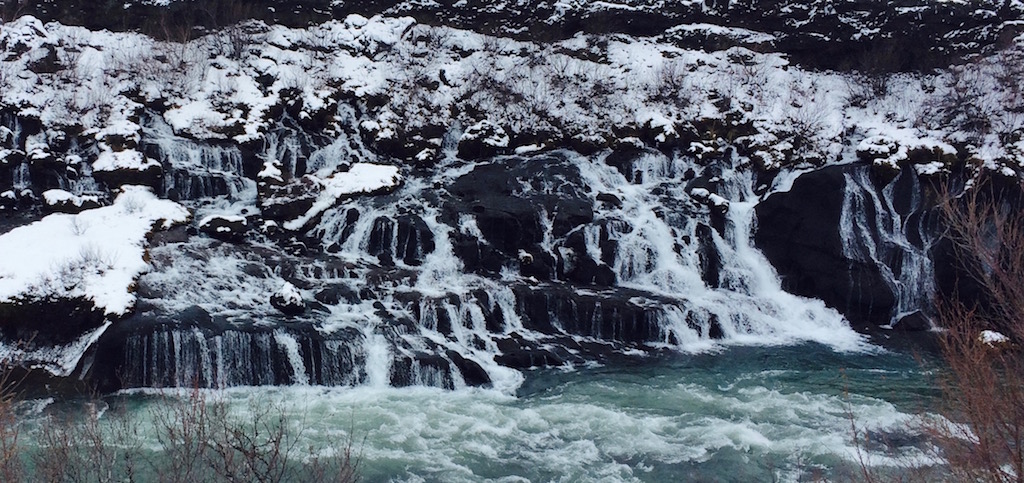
743	414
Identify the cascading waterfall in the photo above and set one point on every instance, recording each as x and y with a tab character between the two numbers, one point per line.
874	230
423	319
183	357
196	170
378	359
293	355
656	254
22	177
685	276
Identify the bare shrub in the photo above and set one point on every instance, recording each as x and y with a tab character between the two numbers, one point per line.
132	204
78	227
253	450
11	468
203	441
183	430
983	387
982	438
429	39
12	9
987	227
234	42
84	448
93	259
222	13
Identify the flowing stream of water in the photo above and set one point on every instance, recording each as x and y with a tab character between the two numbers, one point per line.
743	414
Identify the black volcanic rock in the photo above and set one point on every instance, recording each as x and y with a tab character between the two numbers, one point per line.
506	197
44	322
798	233
288	300
227	228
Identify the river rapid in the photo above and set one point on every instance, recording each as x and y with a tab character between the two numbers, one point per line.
738	414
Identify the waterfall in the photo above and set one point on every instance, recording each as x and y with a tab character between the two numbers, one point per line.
658	252
22	178
293	355
378	360
682	275
896	240
195	170
189	357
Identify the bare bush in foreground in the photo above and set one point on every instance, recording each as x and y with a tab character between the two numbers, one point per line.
983	387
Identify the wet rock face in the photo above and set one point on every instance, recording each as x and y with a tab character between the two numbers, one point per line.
511	201
854	240
149	176
408	239
798	233
48	322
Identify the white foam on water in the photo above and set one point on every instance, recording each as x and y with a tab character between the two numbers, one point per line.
593	429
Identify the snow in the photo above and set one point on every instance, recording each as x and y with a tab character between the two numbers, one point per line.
798	116
930	169
97	254
529	148
889	146
992	338
740	34
488	133
361	178
709	198
289	294
655	120
59	196
229	218
272	171
109	160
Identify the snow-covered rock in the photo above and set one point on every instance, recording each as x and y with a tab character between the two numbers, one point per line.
712	200
895	146
127	167
483	139
360	179
64	202
224	227
288	300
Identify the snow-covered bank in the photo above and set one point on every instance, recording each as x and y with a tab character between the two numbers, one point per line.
96	254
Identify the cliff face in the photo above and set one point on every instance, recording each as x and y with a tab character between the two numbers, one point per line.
378	198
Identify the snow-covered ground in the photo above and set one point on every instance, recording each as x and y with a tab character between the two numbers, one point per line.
96	255
408	81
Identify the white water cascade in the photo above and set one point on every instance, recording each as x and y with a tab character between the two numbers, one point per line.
895	240
430	294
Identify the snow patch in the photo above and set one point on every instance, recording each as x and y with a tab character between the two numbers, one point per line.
97	254
361	178
992	338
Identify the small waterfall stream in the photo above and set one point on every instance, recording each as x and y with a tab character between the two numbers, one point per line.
890	231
